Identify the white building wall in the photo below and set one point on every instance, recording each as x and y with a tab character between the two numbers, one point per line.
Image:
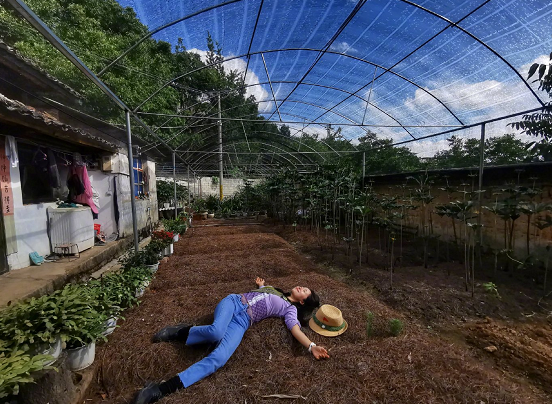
31	226
31	220
229	185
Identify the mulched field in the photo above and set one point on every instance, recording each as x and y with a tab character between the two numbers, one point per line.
213	261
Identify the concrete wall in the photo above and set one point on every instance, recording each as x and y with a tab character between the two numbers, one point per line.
31	226
493	230
205	186
145	208
31	220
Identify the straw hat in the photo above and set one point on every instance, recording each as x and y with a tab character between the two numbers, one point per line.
328	321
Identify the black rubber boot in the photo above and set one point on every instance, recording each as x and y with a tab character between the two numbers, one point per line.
177	332
149	394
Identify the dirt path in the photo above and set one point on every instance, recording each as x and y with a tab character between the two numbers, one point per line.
211	262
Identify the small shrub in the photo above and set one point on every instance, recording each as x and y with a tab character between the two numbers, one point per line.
395	327
369	323
491	288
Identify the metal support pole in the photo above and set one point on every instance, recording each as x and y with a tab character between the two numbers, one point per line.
174	181
189	189
363	168
131	172
220	148
481	163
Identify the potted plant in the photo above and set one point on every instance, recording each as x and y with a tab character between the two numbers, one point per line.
150	255
83	325
137	279
165	237
105	298
34	325
176	227
16	368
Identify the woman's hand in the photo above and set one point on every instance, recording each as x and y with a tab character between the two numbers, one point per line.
260	282
319	352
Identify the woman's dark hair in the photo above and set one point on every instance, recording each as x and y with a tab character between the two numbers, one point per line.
304	311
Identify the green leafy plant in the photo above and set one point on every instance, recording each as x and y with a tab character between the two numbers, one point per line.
146	256
136	278
395	327
369	323
491	288
16	368
33	322
175	226
82	323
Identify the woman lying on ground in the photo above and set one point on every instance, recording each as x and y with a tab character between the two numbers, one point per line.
233	316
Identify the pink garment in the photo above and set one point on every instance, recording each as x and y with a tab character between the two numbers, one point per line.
86	197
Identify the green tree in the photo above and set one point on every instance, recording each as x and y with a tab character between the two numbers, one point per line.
383	157
505	149
539	124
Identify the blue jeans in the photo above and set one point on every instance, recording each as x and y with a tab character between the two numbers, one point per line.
231	322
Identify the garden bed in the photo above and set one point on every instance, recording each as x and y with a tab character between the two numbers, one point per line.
209	263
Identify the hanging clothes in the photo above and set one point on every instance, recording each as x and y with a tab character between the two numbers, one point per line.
53	171
95	197
86	197
11	151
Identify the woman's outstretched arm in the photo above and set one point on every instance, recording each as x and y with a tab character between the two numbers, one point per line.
319	352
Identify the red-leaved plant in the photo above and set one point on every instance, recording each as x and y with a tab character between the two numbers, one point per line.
166	237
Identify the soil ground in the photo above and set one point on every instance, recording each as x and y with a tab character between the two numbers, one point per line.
439	357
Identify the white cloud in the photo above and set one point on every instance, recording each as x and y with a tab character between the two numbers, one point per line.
342	47
252	80
478	101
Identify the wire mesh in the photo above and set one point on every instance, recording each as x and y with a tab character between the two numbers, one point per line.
332	71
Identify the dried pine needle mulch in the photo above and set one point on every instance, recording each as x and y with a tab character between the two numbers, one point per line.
212	262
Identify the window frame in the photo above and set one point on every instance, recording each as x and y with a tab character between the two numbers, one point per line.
138	172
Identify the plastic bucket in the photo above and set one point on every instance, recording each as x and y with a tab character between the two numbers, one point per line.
81	358
53	349
110	324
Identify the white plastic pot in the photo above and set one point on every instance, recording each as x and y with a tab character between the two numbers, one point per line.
53	349
153	267
110	325
169	249
82	357
211	215
140	291
176	237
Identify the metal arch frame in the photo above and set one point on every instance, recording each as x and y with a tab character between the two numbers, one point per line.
257	102
338	32
336	89
488	47
451	23
251	40
281	158
283	144
204	156
277	134
137	109
323	108
298	141
161	28
280	143
407	56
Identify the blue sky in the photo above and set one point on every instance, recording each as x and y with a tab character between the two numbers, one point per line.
452	78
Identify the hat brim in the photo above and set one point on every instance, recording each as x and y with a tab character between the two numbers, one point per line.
319	330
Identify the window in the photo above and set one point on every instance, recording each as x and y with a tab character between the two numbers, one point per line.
40	176
138	177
